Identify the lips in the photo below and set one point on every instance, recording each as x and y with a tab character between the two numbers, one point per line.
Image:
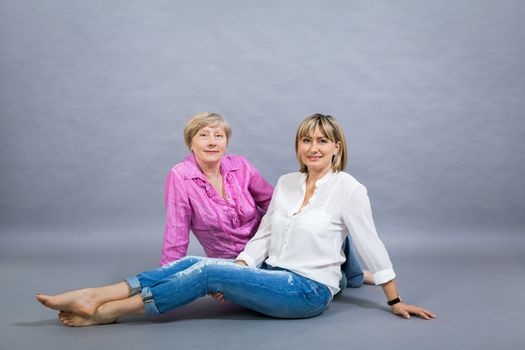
312	158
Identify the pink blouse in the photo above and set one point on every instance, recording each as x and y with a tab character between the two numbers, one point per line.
222	226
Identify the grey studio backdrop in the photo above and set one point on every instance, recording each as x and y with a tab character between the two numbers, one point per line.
94	96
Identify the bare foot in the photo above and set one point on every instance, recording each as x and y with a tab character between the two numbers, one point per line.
368	277
81	302
71	319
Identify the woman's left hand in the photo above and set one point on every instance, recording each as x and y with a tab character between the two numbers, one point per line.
405	310
218	296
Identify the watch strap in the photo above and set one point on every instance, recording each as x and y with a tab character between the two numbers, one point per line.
394	301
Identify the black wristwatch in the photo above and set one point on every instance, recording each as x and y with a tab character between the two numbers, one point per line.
394	301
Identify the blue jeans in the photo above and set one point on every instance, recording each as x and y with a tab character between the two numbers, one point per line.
351	269
271	291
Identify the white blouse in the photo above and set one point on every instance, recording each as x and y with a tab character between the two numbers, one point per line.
308	242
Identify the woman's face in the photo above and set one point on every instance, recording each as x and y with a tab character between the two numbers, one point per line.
209	144
316	152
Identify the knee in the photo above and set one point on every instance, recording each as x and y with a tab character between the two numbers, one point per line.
191	258
185	261
214	266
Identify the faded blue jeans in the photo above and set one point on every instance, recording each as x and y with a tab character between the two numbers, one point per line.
271	291
352	272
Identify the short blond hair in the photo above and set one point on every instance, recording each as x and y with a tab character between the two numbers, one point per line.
331	129
202	120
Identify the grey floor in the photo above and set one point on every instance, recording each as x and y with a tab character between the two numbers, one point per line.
473	280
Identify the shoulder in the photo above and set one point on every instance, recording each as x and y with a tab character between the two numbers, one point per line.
348	183
291	179
236	162
179	170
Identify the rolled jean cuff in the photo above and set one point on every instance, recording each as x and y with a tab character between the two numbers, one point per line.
134	286
149	303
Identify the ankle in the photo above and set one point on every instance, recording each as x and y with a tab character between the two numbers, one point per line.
105	313
92	294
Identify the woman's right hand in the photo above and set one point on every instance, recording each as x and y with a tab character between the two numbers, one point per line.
241	262
405	310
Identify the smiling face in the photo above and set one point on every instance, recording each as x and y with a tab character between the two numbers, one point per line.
316	152
209	144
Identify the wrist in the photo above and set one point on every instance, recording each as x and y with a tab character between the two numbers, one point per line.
394	301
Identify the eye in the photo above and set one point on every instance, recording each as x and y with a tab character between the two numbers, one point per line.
323	141
219	136
305	140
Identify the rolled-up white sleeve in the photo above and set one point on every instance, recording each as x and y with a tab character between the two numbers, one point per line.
357	216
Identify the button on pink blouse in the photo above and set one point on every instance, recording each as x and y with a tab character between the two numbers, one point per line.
222	226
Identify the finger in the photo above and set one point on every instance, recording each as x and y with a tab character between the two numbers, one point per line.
416	311
423	315
402	313
430	314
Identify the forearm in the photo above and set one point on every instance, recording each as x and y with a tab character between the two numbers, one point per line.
390	289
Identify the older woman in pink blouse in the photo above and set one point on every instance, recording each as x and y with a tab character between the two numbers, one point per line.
220	198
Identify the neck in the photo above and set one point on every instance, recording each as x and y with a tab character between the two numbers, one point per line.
316	175
210	170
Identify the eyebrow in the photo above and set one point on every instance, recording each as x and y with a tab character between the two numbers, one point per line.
319	137
213	130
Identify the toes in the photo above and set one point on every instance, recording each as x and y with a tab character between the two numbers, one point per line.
65	317
66	321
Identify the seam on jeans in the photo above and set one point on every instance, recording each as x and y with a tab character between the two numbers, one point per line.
257	285
320	309
316	311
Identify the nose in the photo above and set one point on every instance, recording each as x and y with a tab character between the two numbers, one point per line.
212	141
314	148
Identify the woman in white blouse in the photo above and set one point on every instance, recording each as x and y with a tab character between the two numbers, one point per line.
289	269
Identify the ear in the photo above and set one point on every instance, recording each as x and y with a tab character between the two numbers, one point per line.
337	145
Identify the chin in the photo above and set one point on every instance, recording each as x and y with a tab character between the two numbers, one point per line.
316	167
214	158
